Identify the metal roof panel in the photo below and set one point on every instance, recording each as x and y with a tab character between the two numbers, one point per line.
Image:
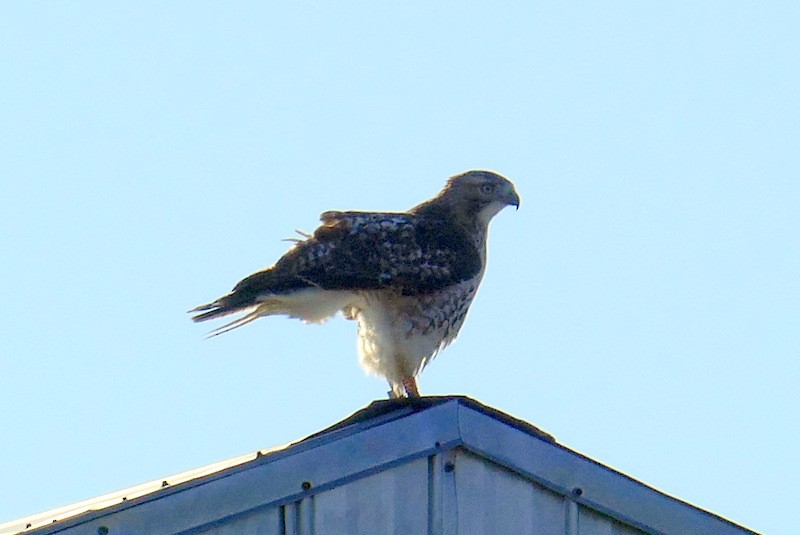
365	457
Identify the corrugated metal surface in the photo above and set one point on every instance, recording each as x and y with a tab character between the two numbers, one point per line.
445	466
490	499
493	499
263	522
392	501
127	495
593	523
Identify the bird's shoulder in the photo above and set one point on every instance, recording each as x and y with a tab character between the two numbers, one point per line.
404	252
366	220
412	252
424	230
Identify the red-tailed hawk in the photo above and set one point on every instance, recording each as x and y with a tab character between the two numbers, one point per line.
408	278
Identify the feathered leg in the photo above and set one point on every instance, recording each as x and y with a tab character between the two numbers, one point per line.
396	391
407	389
410	386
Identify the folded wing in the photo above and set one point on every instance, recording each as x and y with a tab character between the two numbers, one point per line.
408	253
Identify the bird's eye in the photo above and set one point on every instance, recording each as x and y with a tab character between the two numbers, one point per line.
487	189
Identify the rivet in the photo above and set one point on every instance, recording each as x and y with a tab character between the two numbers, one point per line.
577	491
306	485
102	530
449	466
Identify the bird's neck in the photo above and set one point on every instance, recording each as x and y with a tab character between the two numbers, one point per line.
468	218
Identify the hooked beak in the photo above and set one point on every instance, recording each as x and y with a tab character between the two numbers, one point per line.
513	199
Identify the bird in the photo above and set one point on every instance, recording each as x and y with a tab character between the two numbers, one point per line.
407	278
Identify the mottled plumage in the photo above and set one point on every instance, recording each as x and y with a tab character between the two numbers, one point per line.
407	278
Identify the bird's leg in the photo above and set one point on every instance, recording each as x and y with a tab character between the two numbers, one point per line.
396	391
410	386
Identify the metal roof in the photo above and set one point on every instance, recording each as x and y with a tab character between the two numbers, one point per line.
428	465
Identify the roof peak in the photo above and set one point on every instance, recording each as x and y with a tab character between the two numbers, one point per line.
386	409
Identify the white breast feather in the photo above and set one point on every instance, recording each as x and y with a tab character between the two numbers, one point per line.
399	335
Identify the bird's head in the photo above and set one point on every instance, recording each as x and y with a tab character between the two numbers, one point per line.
480	194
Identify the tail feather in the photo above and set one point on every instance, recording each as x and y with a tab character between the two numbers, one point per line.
261	310
311	305
219	308
248	293
233	304
217	313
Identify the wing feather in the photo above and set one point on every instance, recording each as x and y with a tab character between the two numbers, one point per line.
409	253
364	250
368	250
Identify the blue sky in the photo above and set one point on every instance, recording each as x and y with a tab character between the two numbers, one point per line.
643	305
